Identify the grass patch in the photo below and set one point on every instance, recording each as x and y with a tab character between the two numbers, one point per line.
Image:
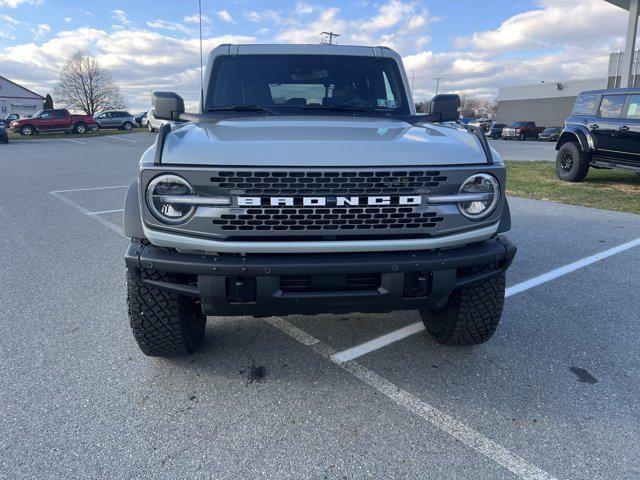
100	133
607	189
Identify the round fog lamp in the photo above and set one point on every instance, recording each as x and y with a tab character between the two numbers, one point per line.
480	183
161	199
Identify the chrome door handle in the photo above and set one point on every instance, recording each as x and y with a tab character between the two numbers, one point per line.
594	126
623	128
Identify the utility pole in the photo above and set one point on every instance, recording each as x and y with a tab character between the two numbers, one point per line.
329	36
437	79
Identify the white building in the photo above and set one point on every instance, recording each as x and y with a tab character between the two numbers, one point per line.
17	99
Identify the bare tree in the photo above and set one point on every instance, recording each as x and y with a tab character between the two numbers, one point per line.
84	85
469	106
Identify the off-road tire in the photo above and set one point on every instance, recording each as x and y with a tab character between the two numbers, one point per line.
164	323
572	164
471	315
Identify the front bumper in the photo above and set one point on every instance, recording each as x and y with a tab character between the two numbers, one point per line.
510	134
266	285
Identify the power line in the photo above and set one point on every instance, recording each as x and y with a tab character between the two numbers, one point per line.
449	76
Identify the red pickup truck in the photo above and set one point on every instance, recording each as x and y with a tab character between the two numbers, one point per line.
54	121
522	131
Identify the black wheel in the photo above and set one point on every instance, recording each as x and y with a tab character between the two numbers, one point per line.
128	126
471	315
572	164
164	323
80	128
27	130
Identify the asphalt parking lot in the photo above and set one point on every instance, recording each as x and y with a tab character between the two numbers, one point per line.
554	395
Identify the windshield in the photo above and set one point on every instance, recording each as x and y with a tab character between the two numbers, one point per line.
521	124
292	83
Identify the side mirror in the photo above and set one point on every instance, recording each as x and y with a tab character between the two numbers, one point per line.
167	105
446	107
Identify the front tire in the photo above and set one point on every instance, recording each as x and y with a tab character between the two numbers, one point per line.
164	323
80	128
128	126
471	316
572	164
27	131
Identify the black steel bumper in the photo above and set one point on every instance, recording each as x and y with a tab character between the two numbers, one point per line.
266	285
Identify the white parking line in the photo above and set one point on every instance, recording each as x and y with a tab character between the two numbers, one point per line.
89	189
106	211
115	137
81	209
72	141
380	342
471	438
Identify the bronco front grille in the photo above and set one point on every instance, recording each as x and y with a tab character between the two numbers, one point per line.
311	183
318	219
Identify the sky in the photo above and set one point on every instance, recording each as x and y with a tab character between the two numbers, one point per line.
475	46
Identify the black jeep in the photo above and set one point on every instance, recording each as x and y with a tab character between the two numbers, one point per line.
602	132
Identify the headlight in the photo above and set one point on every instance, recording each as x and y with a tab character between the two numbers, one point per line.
163	199
484	185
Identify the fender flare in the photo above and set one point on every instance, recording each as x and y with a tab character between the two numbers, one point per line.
571	133
132	221
505	218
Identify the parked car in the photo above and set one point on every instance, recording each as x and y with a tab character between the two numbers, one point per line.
50	121
115	119
483	123
4	138
551	134
153	123
6	121
495	131
314	203
140	118
522	131
602	132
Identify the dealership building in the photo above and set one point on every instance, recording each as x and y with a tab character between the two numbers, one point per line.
15	98
550	103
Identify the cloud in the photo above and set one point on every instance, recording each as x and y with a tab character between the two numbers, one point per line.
396	24
11	22
41	31
16	3
171	26
195	18
304	8
120	16
153	62
545	27
68	19
225	16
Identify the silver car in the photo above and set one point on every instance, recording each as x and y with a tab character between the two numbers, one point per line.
115	119
153	123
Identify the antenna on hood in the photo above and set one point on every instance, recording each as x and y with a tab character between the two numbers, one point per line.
201	64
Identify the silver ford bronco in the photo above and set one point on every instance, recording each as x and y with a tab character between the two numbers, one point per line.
307	184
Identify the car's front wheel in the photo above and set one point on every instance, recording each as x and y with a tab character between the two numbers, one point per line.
471	316
572	164
27	131
127	126
164	323
80	128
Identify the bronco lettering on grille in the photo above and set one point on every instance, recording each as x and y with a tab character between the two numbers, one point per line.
413	200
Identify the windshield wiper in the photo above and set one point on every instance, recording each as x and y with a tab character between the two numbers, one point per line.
342	108
243	108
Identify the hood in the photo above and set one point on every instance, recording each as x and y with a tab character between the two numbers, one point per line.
325	141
